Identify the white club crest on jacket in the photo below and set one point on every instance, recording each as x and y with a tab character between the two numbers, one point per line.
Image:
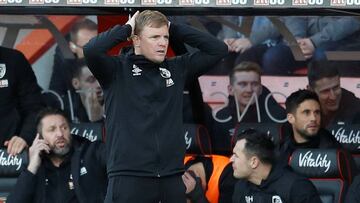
2	70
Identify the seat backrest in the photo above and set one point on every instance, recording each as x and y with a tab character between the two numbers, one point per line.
197	139
10	169
90	131
328	169
349	137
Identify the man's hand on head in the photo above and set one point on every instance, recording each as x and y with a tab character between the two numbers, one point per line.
15	145
131	21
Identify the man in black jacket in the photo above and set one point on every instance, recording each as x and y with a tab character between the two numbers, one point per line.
143	98
87	100
303	129
261	179
19	101
247	103
337	104
61	168
81	32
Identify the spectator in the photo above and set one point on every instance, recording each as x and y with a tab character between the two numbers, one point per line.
315	35
61	164
143	99
304	116
324	80
353	195
19	101
252	48
205	178
81	32
88	100
244	88
261	179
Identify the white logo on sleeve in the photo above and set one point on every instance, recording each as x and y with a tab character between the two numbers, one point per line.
276	199
136	70
249	199
2	70
83	171
165	73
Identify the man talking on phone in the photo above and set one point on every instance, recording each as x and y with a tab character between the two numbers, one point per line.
61	168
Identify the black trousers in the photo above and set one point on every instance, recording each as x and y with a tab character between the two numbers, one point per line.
133	189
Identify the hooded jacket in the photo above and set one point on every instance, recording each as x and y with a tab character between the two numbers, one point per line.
20	96
143	100
222	132
322	140
282	185
87	169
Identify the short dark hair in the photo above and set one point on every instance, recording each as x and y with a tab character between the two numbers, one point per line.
77	68
84	23
259	144
245	66
298	97
49	111
321	69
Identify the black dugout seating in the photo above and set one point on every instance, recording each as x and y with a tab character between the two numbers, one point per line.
349	137
197	139
90	131
10	169
328	169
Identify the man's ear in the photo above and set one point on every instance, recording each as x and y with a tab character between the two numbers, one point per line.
254	162
230	90
136	41
290	118
75	83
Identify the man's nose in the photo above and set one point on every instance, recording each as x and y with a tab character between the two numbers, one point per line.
332	94
59	133
163	41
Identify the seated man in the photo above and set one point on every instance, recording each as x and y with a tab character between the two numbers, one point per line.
261	179
205	178
88	101
315	35
81	32
61	164
337	104
246	104
304	116
263	35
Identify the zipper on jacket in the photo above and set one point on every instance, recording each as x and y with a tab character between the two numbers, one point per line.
158	148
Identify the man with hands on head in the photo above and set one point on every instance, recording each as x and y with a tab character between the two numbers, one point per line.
143	97
61	164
